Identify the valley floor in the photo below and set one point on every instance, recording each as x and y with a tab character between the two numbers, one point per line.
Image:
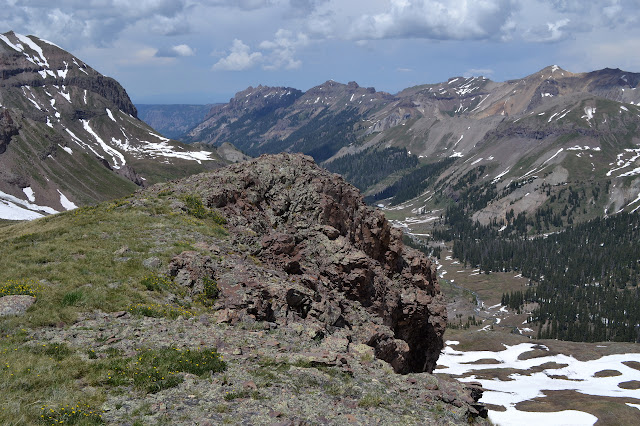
529	381
526	381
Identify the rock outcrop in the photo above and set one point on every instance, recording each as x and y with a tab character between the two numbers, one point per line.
340	265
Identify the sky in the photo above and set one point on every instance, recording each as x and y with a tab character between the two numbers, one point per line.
196	52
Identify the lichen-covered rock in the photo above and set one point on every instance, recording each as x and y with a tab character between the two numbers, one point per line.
15	304
339	264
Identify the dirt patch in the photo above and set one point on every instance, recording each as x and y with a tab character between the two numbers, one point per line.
631	384
607	373
547	366
609	411
537	352
496	407
632	364
484	361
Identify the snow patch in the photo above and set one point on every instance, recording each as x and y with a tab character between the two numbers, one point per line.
13	208
115	154
42	61
580	377
110	115
65	202
67	149
29	193
497	178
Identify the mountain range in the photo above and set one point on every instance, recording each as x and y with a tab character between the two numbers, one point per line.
523	140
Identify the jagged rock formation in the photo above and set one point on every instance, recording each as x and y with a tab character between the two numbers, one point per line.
347	267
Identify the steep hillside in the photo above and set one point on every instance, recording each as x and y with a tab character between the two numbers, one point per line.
521	140
266	291
172	121
70	136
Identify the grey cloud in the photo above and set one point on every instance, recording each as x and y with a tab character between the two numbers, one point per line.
303	8
175	51
437	19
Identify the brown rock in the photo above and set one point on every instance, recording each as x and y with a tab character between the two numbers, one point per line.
344	265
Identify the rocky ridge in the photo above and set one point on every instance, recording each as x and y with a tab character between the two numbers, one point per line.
348	264
309	295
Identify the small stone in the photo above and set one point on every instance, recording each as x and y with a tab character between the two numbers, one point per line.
250	384
122	250
275	414
152	263
119	314
237	351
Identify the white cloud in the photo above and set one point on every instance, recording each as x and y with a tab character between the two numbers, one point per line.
283	49
240	58
184	50
436	19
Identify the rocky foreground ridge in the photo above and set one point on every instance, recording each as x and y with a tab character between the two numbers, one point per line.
276	264
346	268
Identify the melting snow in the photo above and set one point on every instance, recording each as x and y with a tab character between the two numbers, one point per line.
29	193
63	73
42	61
13	208
554	155
67	96
107	149
580	377
11	45
497	178
66	148
589	112
65	202
110	115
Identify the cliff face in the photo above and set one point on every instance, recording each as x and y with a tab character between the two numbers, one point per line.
346	267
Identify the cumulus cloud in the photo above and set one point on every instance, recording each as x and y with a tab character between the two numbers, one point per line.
176	51
437	19
283	49
240	58
78	23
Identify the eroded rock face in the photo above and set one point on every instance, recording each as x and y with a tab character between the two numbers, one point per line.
321	256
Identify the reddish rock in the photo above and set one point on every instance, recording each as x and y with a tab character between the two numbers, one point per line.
327	260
